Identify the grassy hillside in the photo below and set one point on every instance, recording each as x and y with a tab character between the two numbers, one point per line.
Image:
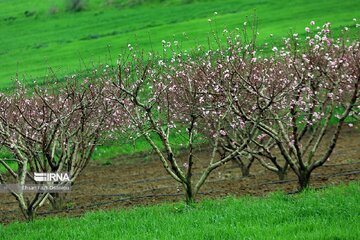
332	213
35	35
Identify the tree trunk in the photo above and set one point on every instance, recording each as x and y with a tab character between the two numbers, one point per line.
57	201
303	180
26	210
282	174
189	195
30	214
244	166
245	171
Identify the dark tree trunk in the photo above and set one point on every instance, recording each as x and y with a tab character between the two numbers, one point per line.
282	174
244	166
189	195
245	171
26	209
303	180
57	201
30	215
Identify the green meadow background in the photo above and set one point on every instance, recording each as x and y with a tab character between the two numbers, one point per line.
42	34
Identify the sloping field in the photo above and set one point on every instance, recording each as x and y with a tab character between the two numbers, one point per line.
36	35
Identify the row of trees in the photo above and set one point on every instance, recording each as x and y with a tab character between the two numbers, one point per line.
248	107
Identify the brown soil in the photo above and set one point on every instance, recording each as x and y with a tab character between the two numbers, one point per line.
121	185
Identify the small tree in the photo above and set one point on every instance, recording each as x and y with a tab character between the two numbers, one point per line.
315	84
164	99
18	145
249	87
51	132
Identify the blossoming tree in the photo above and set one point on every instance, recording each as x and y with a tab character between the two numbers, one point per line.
163	99
318	80
50	131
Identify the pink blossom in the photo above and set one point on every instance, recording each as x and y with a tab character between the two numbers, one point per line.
261	137
222	132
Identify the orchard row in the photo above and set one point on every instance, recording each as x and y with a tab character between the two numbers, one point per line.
273	104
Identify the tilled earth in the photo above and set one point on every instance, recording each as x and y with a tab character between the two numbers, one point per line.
145	182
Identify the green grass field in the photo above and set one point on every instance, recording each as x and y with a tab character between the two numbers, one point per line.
34	38
332	213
